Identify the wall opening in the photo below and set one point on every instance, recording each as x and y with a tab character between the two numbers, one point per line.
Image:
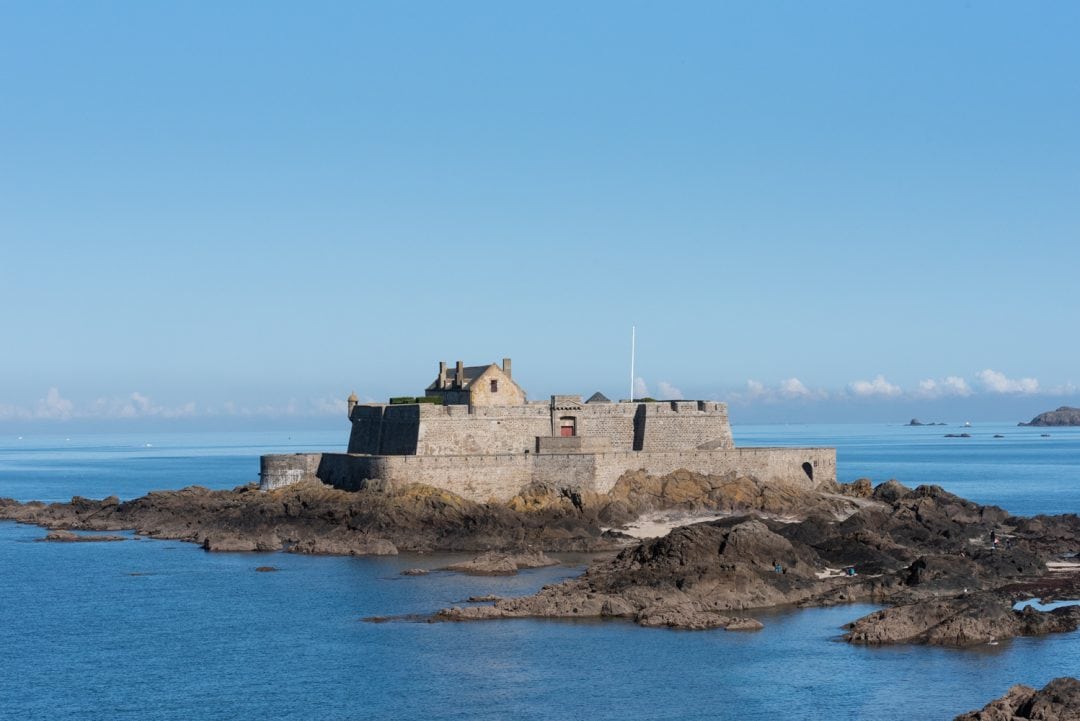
567	426
494	386
808	469
639	428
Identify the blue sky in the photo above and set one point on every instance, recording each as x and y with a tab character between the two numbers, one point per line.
819	212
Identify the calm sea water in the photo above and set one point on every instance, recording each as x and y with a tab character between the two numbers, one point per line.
162	630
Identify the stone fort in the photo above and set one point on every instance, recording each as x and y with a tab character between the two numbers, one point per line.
475	433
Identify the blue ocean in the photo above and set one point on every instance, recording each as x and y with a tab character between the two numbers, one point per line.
149	629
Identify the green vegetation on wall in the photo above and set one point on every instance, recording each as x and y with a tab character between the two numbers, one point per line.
405	400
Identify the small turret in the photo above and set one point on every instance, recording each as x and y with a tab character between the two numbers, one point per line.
352	401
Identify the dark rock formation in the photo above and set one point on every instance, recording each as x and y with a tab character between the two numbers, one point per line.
920	549
1058	700
1063	416
962	620
313	518
69	537
494	563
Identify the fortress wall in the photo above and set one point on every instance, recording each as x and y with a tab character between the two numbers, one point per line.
478	478
432	430
502	476
573	444
400	429
340	470
614	421
453	430
366	429
679	425
384	429
279	470
776	465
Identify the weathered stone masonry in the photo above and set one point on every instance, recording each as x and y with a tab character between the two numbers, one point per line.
491	451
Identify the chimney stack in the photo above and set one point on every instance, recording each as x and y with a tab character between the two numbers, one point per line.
459	375
506	367
442	374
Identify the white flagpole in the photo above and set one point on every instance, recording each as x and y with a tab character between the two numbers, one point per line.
633	341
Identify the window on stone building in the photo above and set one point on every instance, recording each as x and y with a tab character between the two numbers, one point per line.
494	386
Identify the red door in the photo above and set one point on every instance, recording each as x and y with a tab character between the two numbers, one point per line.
566	431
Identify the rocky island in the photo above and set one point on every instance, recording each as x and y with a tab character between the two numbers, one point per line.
1063	416
949	571
689	531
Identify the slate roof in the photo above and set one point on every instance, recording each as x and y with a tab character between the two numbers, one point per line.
471	374
598	397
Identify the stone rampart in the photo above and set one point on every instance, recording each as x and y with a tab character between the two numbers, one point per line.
684	425
279	470
433	430
501	476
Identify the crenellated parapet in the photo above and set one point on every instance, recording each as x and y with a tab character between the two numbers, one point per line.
432	430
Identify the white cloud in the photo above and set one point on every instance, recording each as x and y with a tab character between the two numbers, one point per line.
54	406
669	392
641	390
135	405
877	387
998	382
755	389
950	386
794	388
787	389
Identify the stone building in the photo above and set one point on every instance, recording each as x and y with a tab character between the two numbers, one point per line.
474	432
489	385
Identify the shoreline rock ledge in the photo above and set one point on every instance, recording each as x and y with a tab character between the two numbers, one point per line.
1058	700
936	560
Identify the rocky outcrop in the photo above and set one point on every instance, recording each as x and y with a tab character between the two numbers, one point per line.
963	620
344	543
69	537
923	550
1058	700
502	564
234	542
1063	416
692	616
314	518
694	577
637	493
